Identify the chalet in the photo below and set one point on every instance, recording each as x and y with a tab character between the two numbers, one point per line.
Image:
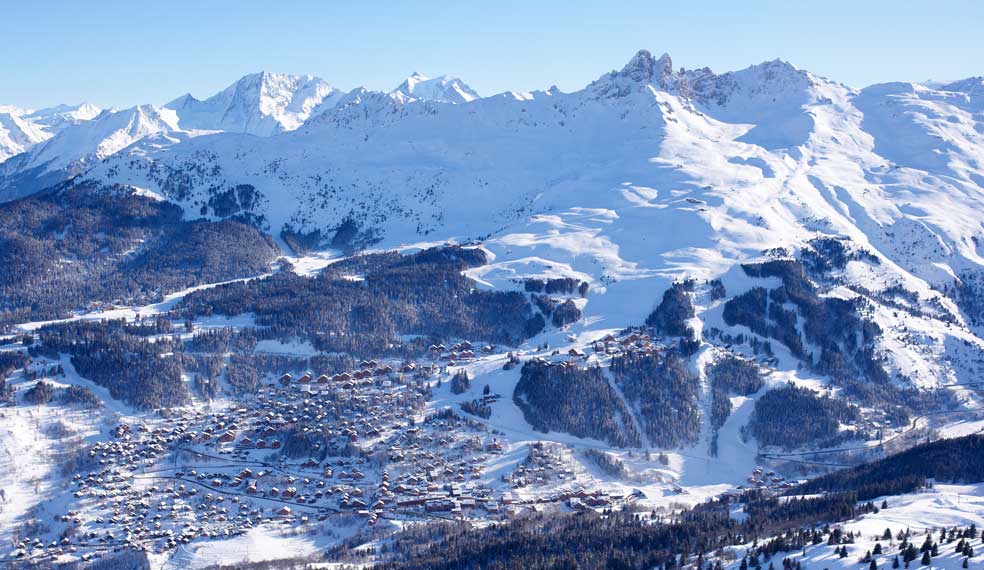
440	505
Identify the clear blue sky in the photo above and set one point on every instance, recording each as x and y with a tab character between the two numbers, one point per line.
122	53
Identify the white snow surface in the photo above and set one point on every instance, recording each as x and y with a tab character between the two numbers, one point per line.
444	89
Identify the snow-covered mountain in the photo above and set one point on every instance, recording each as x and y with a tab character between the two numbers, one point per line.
21	129
260	104
444	89
647	175
78	146
17	135
56	119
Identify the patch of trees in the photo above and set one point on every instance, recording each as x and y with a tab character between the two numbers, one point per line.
63	250
477	408
145	374
125	560
303	441
215	340
717	289
619	540
460	382
233	201
957	460
664	393
729	376
361	305
609	463
12	360
566	285
968	293
792	417
837	326
575	400
736	375
566	313
671	315
79	396
300	242
561	313
242	375
545	303
41	393
826	254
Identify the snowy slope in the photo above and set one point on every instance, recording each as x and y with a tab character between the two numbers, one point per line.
17	135
21	129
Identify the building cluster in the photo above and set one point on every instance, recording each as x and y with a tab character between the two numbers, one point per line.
307	449
770	480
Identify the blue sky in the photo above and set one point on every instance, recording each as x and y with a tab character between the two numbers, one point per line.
123	53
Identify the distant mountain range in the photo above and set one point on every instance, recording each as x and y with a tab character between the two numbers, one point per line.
262	104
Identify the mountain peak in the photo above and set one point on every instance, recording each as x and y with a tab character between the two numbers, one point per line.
645	68
642	70
444	89
261	103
